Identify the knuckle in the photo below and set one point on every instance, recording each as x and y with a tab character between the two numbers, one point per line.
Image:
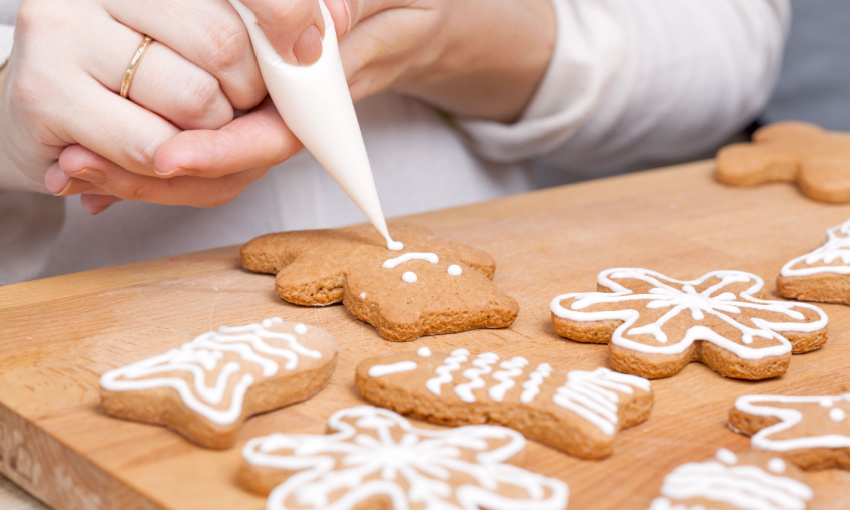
224	43
200	97
141	152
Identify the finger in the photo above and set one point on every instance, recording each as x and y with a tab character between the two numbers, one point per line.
257	139
62	185
209	34
294	27
96	204
164	82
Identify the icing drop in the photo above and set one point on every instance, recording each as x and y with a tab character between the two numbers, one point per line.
455	270
362	295
424	352
382	370
776	465
837	415
301	329
394	245
727	457
409	277
429	257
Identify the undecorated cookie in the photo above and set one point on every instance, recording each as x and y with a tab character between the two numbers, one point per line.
746	481
578	412
822	275
207	388
812	432
656	325
816	159
430	287
375	459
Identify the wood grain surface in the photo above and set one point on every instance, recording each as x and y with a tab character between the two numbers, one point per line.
62	333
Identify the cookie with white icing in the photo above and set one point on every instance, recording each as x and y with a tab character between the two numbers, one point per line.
579	412
811	431
816	159
430	287
656	325
821	275
372	458
205	389
745	481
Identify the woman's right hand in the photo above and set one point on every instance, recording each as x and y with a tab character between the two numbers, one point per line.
61	84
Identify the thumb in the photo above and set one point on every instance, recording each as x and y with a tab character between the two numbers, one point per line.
294	27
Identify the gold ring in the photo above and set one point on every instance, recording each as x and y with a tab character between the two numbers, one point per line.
131	69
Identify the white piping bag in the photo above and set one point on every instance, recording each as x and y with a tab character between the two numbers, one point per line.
316	105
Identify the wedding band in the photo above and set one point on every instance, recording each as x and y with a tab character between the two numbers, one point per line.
131	69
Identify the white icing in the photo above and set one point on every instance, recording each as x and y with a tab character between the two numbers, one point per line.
429	257
444	371
395	245
362	295
301	329
759	405
837	415
409	277
455	270
372	451
836	247
424	352
401	366
681	297
512	368
483	364
316	104
531	387
776	465
727	457
202	357
745	487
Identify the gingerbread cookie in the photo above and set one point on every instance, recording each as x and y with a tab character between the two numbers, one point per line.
578	412
430	287
816	159
373	458
821	275
812	432
747	481
207	388
656	325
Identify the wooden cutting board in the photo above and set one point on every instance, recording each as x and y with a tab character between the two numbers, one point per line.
61	334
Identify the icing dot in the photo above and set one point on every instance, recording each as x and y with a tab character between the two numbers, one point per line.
409	277
424	352
455	270
776	465
726	457
395	245
837	414
301	329
362	295
827	402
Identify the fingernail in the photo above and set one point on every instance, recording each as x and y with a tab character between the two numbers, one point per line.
90	175
93	208
75	187
178	172
308	48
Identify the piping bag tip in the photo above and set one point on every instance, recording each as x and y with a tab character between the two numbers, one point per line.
316	105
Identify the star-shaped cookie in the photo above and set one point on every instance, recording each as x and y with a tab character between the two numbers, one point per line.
821	275
812	432
656	325
430	287
374	458
816	159
207	388
579	412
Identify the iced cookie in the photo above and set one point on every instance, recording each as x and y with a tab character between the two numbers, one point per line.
430	287
207	388
578	412
816	159
747	481
375	459
656	325
821	275
812	432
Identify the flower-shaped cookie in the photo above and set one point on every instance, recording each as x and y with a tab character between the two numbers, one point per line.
749	481
821	275
374	458
207	388
816	159
656	325
812	432
430	287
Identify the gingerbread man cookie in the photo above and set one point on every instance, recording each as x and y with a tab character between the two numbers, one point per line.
816	159
748	481
656	325
821	275
207	388
374	458
812	432
430	287
578	412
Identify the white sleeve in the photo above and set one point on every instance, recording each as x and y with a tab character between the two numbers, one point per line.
30	226
644	81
